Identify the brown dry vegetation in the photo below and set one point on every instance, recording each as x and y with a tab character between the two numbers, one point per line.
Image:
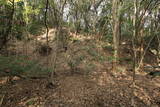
94	84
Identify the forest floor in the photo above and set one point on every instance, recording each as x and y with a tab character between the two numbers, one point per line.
94	84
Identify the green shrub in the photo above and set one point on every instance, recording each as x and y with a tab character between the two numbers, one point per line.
74	61
22	66
36	28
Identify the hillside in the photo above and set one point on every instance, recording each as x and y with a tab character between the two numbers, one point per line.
93	83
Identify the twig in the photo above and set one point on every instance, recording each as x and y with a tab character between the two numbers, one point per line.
139	65
1	101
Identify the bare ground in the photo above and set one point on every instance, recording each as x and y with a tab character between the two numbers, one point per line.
101	87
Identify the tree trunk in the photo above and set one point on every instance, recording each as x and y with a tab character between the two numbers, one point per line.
5	38
134	49
116	30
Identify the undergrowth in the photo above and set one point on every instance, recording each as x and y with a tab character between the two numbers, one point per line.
22	65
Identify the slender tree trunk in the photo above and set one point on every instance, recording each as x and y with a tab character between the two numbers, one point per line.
134	48
141	47
116	30
45	20
5	38
58	20
158	51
